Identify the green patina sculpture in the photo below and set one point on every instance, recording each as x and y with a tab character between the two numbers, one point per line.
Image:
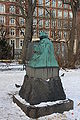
43	53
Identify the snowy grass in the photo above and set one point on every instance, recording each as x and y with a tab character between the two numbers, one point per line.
10	111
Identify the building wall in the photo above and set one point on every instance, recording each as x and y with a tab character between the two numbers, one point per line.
57	25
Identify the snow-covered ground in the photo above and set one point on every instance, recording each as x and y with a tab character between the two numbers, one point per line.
10	111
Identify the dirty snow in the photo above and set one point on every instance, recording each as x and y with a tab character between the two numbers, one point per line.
10	111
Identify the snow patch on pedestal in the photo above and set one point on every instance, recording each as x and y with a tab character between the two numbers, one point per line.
42	104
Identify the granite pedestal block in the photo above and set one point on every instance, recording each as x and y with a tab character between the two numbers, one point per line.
43	73
37	90
36	111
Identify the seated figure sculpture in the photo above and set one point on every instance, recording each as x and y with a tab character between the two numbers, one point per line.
43	55
43	63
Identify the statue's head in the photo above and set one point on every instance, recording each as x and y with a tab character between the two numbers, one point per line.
43	35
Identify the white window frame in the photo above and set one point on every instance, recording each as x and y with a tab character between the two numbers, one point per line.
40	23
40	12
2	19
12	21
13	41
2	8
70	15
40	2
21	21
21	42
53	3
59	4
60	13
47	23
12	9
12	32
65	14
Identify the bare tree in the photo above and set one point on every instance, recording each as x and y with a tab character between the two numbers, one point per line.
27	8
74	5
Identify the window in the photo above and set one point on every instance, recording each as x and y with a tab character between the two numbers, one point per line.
20	12
41	23
12	32
35	12
22	32
47	3
65	14
21	21
40	2
59	13
59	23
46	13
70	15
2	19
70	24
60	34
34	32
20	43
34	22
65	6
47	22
40	12
52	34
12	9
2	8
65	23
53	23
65	34
13	42
12	20
54	13
53	3
59	4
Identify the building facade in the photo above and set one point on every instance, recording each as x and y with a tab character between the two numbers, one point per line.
50	16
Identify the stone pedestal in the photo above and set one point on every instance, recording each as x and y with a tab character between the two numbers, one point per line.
36	111
37	90
42	82
43	73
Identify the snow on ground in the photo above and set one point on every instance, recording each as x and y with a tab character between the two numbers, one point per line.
10	111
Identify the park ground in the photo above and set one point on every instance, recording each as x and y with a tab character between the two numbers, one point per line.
14	74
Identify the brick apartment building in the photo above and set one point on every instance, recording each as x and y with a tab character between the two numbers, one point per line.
56	25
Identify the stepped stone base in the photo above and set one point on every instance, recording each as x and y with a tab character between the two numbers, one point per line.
36	112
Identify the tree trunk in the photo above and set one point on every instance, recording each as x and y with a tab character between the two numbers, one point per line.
28	35
71	59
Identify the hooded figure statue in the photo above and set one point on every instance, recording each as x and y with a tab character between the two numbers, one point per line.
43	55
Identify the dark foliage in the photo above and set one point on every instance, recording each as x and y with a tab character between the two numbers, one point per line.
5	49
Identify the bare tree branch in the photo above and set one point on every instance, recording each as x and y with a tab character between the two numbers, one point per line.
20	5
34	5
